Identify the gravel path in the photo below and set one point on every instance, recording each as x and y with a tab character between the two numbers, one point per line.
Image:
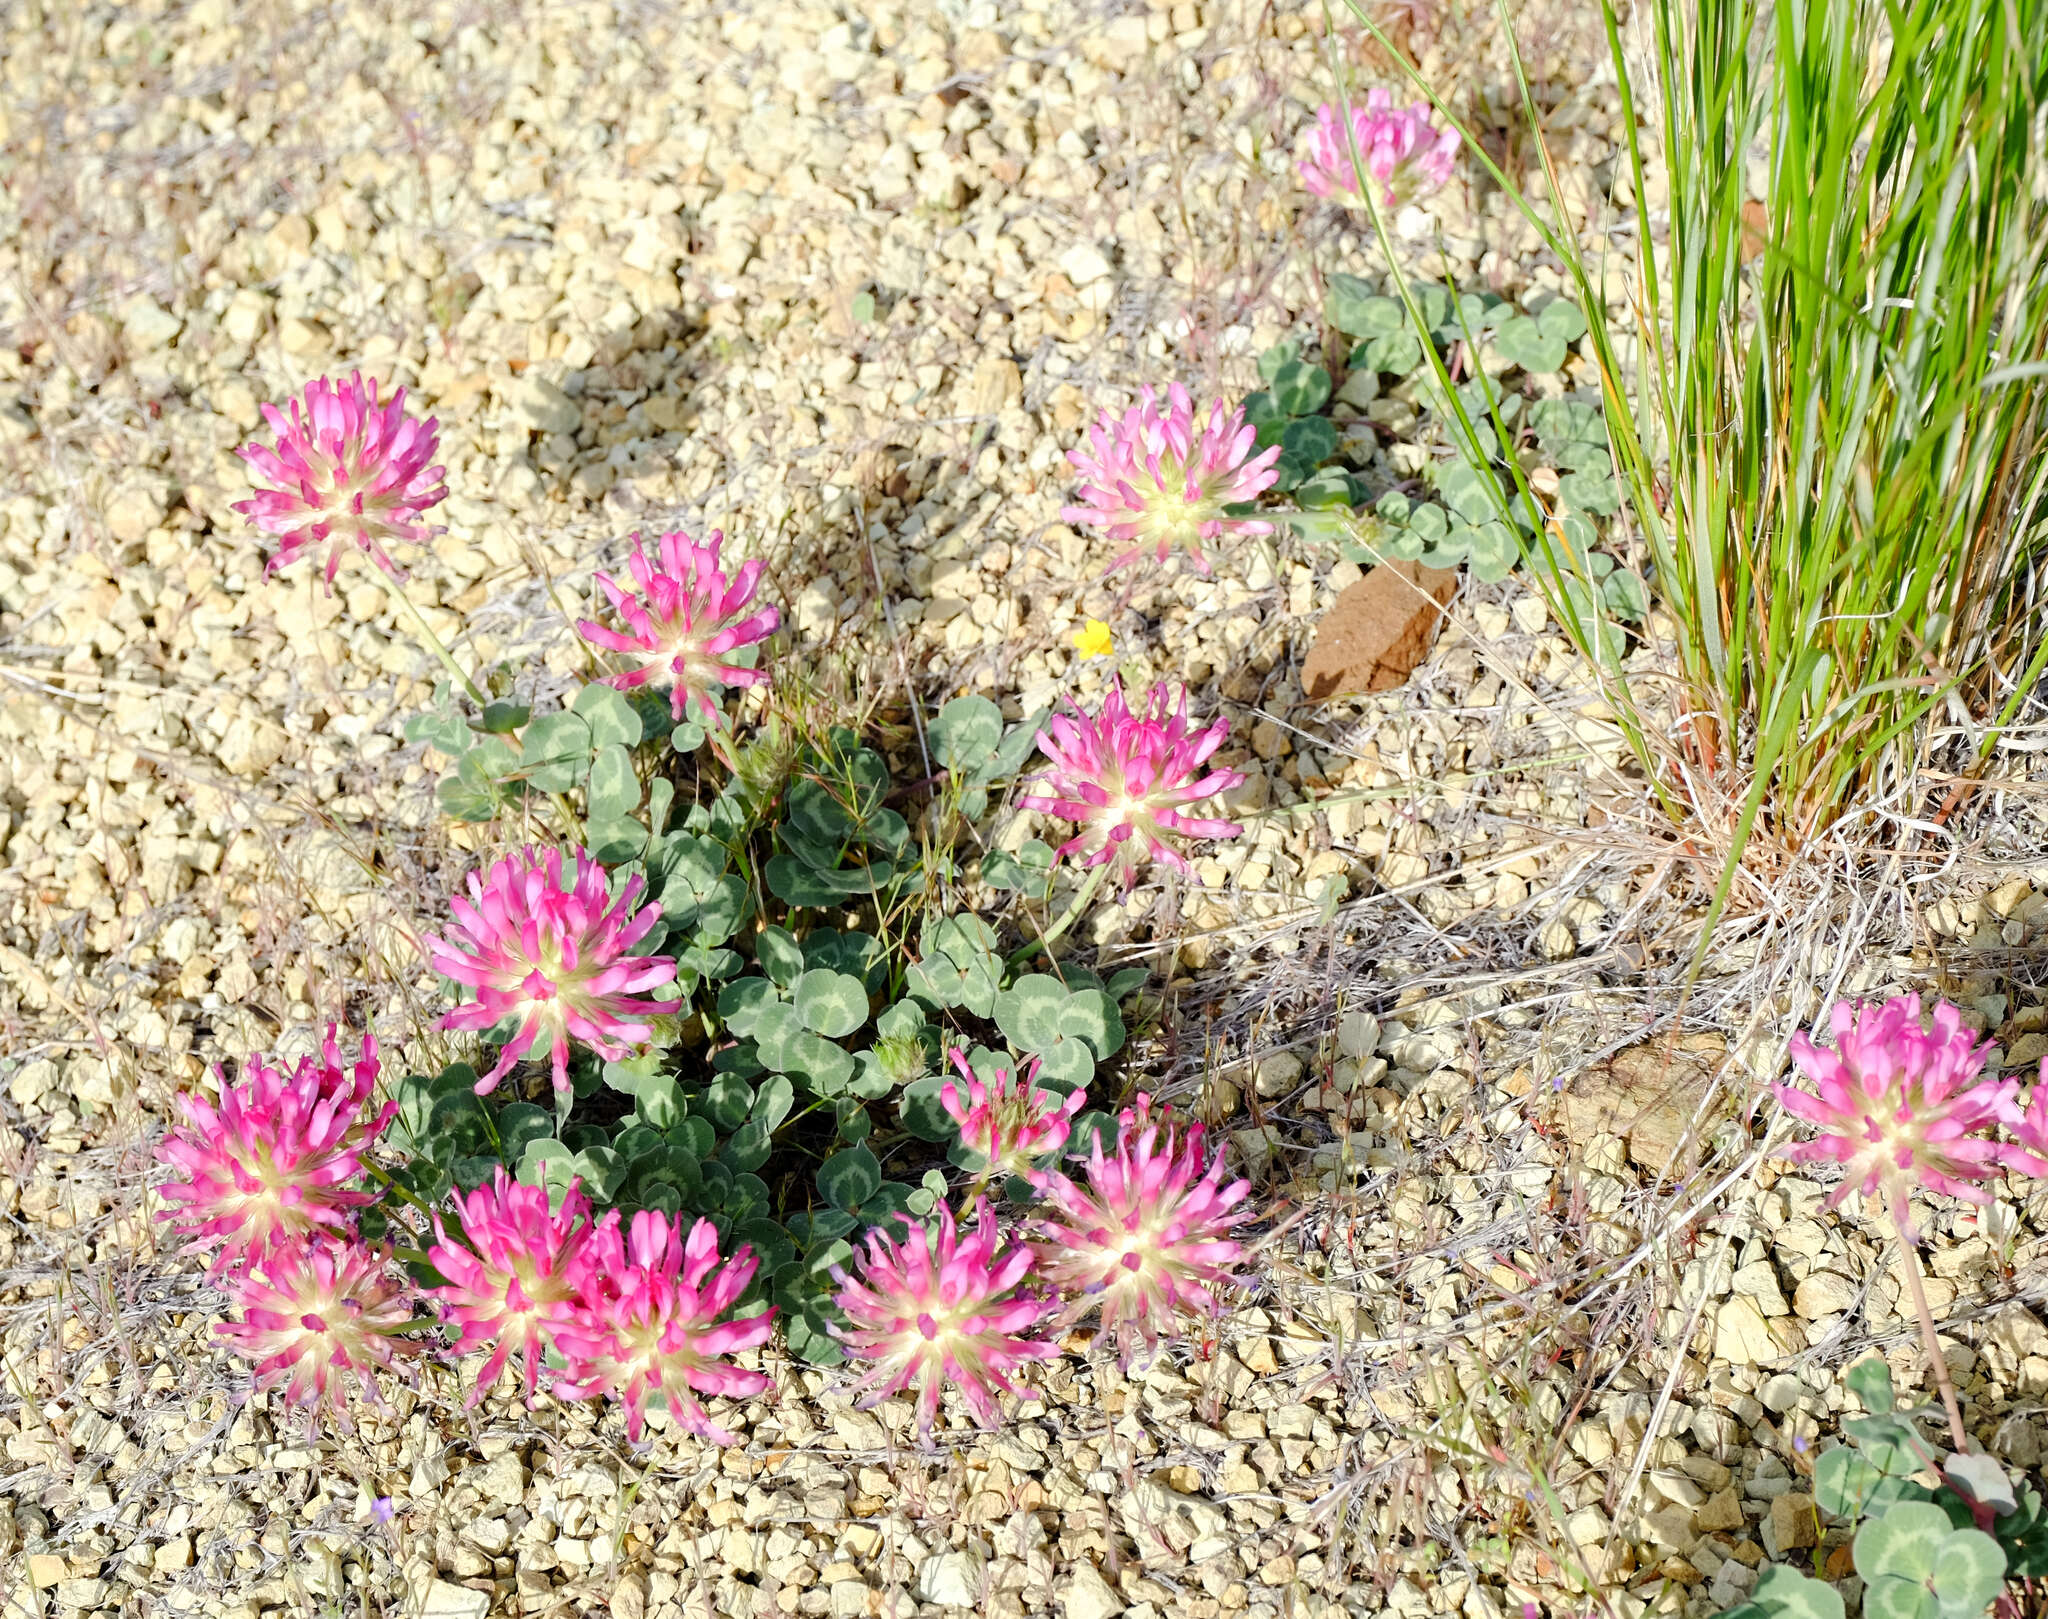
1530	1319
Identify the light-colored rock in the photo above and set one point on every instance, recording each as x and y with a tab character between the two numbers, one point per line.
1084	262
1732	1582
1823	1293
174	1554
301	337
817	608
1279	1073
629	1597
954	1579
32	1081
502	1479
133	512
147	325
1152	1511
1759	1282
542	406
251	744
1741	1335
1257	1148
1358	1035
1088	1595
1648	1095
446	1601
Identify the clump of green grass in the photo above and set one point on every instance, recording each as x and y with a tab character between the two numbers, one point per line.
1832	437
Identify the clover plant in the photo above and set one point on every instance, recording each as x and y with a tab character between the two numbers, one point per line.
1924	1551
1466	510
794	1098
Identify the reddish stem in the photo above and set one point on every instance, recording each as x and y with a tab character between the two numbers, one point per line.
1901	1218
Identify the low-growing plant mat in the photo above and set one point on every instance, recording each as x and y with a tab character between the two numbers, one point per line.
1538	1315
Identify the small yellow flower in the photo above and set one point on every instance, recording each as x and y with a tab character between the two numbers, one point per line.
1093	640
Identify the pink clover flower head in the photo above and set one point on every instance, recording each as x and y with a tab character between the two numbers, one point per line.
940	1307
1009	1121
685	619
345	469
1126	779
1899	1105
2030	1126
1156	478
1401	149
1147	1239
648	1323
319	1316
516	1274
553	957
270	1163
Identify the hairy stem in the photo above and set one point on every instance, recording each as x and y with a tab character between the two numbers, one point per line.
1901	1218
1068	917
428	638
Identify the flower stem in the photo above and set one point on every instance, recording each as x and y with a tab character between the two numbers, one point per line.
1936	1364
391	1184
428	638
1068	917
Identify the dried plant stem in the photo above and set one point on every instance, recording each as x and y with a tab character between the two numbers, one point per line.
1928	1336
428	638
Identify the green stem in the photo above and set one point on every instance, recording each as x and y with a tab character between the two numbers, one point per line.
1068	917
404	1191
1935	1363
428	638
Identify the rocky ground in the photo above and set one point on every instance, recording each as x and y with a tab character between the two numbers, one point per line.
1539	1314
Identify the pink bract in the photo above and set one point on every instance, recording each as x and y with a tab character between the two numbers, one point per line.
271	1162
516	1273
1402	150
648	1323
1153	478
1899	1105
1125	780
685	619
553	958
320	1316
1009	1121
345	470
934	1309
1147	1239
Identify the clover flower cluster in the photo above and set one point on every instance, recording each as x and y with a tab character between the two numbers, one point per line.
1155	478
1127	779
1007	1122
1901	1105
1398	147
684	622
344	470
1142	1241
554	956
271	1178
267	1186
